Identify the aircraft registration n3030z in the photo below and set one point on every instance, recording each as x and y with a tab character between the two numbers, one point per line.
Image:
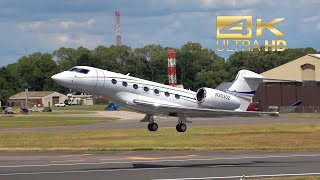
154	98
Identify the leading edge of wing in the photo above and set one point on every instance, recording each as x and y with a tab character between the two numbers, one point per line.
199	112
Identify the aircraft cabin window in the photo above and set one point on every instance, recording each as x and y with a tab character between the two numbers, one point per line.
135	86
177	96
145	89
156	91
125	84
167	94
114	81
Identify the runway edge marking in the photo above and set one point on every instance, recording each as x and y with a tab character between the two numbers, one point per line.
153	161
81	171
243	176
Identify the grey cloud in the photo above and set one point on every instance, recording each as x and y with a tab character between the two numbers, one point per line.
40	25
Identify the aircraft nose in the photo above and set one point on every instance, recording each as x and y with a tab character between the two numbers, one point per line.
57	77
60	78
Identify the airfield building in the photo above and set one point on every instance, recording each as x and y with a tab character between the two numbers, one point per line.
304	73
36	98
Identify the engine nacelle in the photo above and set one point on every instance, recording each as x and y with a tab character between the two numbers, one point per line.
215	99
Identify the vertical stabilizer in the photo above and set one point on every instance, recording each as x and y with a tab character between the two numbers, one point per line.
245	86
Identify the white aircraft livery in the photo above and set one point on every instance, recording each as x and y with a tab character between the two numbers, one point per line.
154	98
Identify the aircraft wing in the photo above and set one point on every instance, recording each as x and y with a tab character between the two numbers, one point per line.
204	112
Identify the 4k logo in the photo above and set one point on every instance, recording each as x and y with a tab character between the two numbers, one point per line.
241	27
234	33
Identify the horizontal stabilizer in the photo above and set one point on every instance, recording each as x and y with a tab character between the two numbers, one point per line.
278	80
264	79
291	108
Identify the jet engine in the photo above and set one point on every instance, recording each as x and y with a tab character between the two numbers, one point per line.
215	99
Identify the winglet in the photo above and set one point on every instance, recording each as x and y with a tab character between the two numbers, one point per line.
290	108
297	103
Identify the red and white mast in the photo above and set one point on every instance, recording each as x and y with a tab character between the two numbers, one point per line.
118	33
172	70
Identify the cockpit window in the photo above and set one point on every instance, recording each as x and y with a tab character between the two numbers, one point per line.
74	69
80	70
84	71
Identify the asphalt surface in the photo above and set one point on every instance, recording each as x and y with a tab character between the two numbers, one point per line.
182	165
157	165
131	120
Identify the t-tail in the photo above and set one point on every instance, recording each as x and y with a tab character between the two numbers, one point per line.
245	86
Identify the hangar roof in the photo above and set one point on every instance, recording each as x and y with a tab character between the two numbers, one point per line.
305	68
31	94
315	55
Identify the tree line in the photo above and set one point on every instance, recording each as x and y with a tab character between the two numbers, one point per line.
196	66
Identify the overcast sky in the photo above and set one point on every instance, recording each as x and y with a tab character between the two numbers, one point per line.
28	26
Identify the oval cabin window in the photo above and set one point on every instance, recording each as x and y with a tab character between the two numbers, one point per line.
135	86
145	89
156	91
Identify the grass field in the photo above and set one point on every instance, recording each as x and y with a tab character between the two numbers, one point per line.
46	121
62	112
299	136
304	115
81	108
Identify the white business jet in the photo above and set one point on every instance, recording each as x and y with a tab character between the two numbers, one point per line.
154	98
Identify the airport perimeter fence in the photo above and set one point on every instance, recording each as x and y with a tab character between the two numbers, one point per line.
305	109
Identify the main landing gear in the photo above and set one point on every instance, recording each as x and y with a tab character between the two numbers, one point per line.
181	127
152	126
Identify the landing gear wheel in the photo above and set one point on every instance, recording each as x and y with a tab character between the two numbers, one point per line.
152	126
178	128
181	127
149	128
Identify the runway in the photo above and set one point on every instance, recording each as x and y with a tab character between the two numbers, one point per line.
140	165
157	165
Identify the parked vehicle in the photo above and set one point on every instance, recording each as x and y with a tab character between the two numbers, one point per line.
60	105
2	108
8	110
112	107
34	109
24	110
47	109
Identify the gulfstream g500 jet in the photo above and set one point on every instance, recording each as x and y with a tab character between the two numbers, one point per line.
154	98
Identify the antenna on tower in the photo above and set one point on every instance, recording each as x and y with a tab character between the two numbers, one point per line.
118	33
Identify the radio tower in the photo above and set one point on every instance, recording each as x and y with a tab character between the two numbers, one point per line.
118	33
172	71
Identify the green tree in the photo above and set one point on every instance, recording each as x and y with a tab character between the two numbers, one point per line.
65	57
153	62
36	71
198	67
